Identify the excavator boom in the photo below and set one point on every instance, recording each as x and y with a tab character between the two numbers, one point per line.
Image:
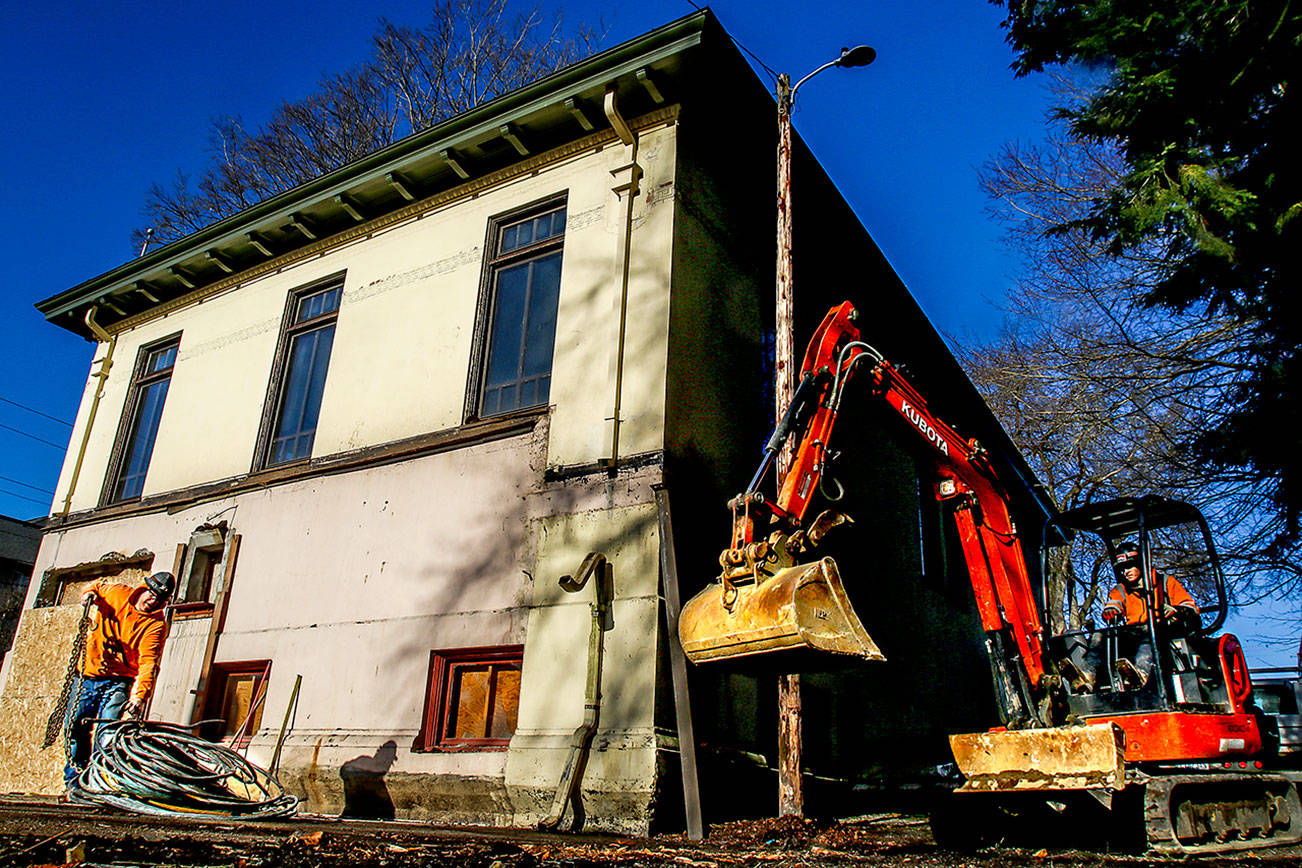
766	601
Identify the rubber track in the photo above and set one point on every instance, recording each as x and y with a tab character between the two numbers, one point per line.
1238	803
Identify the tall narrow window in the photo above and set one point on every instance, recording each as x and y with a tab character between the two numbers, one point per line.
522	278
299	379
144	411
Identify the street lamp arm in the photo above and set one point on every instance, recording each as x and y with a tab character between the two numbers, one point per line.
860	55
797	85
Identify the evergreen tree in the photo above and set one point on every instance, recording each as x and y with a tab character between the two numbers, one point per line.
1197	99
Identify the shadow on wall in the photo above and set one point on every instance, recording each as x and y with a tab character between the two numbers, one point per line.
366	796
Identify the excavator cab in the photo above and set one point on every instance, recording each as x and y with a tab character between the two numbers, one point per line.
1133	595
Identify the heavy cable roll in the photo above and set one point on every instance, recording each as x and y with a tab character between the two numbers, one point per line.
162	769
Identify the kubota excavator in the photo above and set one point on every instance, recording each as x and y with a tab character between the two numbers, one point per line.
1178	759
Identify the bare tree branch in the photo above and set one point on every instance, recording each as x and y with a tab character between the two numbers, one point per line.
469	51
1103	393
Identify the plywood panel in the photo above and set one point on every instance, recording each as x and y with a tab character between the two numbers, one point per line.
179	670
39	661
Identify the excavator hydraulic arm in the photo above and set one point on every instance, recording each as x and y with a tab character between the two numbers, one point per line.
767	599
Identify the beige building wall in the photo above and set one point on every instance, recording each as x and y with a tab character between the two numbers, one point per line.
351	579
402	346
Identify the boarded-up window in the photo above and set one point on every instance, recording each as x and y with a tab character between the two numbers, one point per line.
236	700
472	699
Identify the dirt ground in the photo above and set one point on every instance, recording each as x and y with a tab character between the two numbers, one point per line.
63	836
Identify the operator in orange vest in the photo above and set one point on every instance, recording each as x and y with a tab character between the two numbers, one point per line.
1127	598
121	660
1128	603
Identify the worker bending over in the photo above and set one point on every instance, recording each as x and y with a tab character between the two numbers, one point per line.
121	660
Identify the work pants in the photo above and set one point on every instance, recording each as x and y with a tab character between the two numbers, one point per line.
97	699
1089	652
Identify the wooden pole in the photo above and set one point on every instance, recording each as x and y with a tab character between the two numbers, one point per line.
791	797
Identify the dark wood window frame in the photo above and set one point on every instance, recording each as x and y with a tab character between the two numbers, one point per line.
140	379
219	677
438	695
493	263
271	406
205	559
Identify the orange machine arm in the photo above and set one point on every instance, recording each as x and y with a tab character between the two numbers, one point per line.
991	547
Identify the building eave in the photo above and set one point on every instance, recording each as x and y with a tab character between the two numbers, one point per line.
561	106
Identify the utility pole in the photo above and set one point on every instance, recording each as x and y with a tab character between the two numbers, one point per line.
791	796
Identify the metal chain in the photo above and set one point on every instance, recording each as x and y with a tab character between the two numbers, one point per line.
58	717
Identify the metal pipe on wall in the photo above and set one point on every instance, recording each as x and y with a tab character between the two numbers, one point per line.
596	567
630	188
105	365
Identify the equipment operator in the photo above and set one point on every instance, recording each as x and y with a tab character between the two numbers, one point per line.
1128	605
1128	601
121	660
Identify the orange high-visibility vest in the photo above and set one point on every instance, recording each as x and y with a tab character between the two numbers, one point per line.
1135	606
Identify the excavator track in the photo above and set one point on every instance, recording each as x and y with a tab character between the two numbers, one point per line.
1221	811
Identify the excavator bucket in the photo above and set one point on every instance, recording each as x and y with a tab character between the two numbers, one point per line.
804	606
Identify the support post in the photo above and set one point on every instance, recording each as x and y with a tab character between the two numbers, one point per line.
791	794
678	668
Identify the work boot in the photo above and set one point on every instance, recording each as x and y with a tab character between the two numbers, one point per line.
1131	677
1080	681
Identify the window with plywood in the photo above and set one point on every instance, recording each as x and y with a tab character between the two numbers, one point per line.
472	699
235	701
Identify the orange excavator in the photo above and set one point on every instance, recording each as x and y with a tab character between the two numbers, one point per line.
1171	755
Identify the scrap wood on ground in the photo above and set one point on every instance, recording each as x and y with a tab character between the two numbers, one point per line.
104	838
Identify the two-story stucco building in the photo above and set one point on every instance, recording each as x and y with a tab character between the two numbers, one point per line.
370	422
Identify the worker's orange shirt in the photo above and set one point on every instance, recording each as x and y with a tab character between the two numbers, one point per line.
1135	606
124	643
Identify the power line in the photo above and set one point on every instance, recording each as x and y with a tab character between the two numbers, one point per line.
735	41
773	73
27	485
59	446
22	496
37	412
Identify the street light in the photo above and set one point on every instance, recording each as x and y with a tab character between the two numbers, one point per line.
860	55
791	800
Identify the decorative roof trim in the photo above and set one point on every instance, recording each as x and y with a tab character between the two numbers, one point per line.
621	61
438	200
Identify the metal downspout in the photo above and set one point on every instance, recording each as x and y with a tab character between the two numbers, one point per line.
105	365
596	567
630	187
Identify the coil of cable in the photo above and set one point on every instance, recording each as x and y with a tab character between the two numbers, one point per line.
158	768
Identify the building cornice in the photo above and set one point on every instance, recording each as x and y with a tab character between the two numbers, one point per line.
557	114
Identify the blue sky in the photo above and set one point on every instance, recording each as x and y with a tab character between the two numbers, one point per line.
101	100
